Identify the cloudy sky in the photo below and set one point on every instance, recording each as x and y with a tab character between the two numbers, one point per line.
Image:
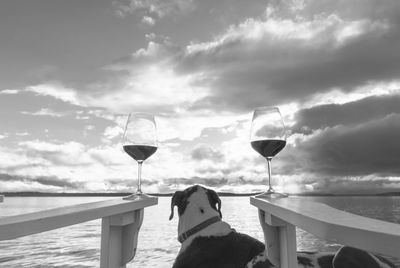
70	71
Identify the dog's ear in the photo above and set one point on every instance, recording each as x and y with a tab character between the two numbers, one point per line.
176	201
214	200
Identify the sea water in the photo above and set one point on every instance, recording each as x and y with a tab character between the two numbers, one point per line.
79	245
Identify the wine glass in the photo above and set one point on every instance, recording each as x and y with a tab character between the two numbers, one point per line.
268	138
140	142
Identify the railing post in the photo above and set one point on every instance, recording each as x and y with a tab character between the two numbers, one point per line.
119	237
280	240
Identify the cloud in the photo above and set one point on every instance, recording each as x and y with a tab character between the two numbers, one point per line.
66	154
57	91
291	54
277	59
72	162
338	154
160	50
45	112
152	10
206	152
280	60
148	20
357	185
354	150
212	182
49	181
112	132
9	91
21	134
348	114
316	59
381	10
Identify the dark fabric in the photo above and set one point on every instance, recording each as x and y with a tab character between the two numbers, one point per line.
307	262
326	261
306	259
386	261
231	251
349	257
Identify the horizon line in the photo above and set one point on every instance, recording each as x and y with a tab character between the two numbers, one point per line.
88	194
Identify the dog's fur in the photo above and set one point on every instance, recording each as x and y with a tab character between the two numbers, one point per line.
220	246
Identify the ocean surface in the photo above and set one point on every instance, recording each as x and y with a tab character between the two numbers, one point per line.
79	245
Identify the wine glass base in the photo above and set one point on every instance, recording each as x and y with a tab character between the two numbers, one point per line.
136	196
271	195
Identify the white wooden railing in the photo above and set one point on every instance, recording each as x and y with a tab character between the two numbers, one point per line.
121	221
280	217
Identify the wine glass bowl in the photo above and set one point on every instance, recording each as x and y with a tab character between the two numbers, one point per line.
140	142
268	138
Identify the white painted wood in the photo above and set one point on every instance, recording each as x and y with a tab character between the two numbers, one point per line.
119	238
111	245
131	234
288	246
335	225
122	219
271	238
274	221
31	223
280	240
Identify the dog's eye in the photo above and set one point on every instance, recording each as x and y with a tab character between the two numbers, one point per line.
201	210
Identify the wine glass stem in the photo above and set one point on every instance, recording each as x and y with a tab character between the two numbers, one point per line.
270	189
139	181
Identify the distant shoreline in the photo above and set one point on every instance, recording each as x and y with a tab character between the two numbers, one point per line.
46	194
33	194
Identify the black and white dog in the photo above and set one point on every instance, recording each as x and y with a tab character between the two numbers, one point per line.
208	242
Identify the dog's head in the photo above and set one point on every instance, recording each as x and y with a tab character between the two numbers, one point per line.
199	199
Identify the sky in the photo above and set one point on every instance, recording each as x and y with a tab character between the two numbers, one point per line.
71	71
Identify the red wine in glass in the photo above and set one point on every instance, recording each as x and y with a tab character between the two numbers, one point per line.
140	152
268	148
140	142
268	138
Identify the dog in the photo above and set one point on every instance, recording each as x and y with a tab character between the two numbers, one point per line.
208	242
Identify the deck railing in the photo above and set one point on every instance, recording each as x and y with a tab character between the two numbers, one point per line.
121	221
280	217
